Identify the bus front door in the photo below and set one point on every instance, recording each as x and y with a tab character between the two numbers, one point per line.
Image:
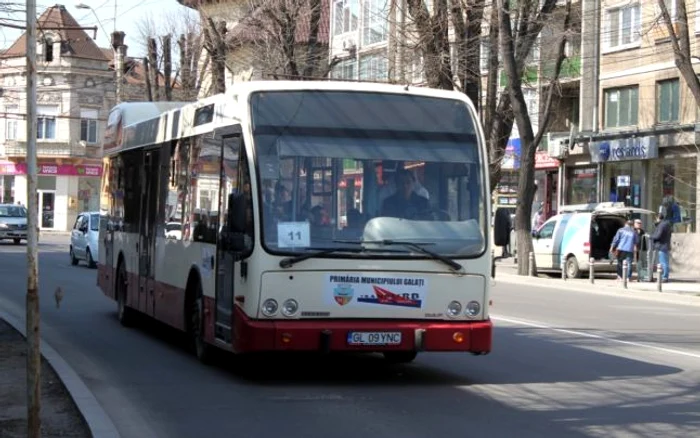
225	258
147	235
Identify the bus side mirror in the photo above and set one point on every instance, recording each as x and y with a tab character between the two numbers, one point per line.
233	234
236	219
501	227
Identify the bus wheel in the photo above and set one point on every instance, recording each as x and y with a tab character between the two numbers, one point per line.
400	356
571	266
196	329
125	315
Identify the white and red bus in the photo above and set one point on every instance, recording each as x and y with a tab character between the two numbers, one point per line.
302	216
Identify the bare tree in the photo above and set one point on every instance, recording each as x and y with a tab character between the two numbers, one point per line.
170	60
285	38
680	42
529	14
467	18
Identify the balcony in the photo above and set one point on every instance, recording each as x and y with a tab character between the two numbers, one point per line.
53	149
570	68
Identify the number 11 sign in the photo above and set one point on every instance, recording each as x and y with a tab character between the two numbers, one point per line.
293	234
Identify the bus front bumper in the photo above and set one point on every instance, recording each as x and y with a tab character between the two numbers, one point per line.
343	335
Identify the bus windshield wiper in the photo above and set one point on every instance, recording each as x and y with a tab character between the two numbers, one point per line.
413	245
289	261
319	252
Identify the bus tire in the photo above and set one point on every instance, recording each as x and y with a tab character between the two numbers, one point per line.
195	330
125	314
396	357
572	269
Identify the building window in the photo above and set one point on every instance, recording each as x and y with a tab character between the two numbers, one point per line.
347	16
46	122
621	107
11	122
623	26
346	69
48	50
374	21
88	126
374	67
667	101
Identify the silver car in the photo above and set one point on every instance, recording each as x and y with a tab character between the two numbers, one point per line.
13	223
84	238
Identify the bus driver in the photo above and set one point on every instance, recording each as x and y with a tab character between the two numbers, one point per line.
405	203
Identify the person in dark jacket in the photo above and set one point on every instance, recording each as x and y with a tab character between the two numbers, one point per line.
661	238
641	248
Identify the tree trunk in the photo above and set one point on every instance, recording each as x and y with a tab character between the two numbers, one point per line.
153	60
475	18
528	140
167	67
313	48
147	75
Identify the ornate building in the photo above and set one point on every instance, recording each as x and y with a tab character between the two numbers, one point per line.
75	90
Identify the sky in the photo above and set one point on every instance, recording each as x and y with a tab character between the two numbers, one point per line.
129	14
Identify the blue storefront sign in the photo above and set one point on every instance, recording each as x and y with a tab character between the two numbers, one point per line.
511	158
624	149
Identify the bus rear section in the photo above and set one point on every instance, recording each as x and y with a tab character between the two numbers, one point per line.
317	217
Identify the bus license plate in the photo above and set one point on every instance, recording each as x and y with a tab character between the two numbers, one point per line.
374	338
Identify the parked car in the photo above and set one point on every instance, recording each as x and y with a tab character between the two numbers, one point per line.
579	233
13	223
84	242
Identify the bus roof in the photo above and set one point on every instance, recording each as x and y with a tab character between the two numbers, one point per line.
137	124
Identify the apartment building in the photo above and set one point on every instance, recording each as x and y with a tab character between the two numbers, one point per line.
75	90
639	123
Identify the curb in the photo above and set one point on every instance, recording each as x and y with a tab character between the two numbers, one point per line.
665	297
99	423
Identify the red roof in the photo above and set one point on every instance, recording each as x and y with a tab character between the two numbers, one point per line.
74	41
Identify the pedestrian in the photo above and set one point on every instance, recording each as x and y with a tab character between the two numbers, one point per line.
641	249
661	238
624	245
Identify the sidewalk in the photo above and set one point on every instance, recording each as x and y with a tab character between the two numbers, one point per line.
59	415
506	270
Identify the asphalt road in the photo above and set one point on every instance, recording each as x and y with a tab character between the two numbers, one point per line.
564	364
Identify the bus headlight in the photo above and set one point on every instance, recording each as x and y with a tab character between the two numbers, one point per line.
290	307
269	307
473	309
454	308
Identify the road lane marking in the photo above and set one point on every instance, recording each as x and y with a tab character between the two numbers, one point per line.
540	325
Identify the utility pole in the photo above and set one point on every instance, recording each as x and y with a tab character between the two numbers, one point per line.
33	339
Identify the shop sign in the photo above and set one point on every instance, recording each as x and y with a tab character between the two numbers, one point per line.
624	149
9	168
544	161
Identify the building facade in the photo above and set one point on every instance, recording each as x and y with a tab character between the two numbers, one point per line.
639	139
75	89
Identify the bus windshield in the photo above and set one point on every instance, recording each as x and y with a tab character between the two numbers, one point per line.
337	168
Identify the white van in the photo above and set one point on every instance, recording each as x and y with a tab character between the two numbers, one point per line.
578	233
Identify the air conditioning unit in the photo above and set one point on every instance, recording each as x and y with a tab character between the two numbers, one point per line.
557	144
